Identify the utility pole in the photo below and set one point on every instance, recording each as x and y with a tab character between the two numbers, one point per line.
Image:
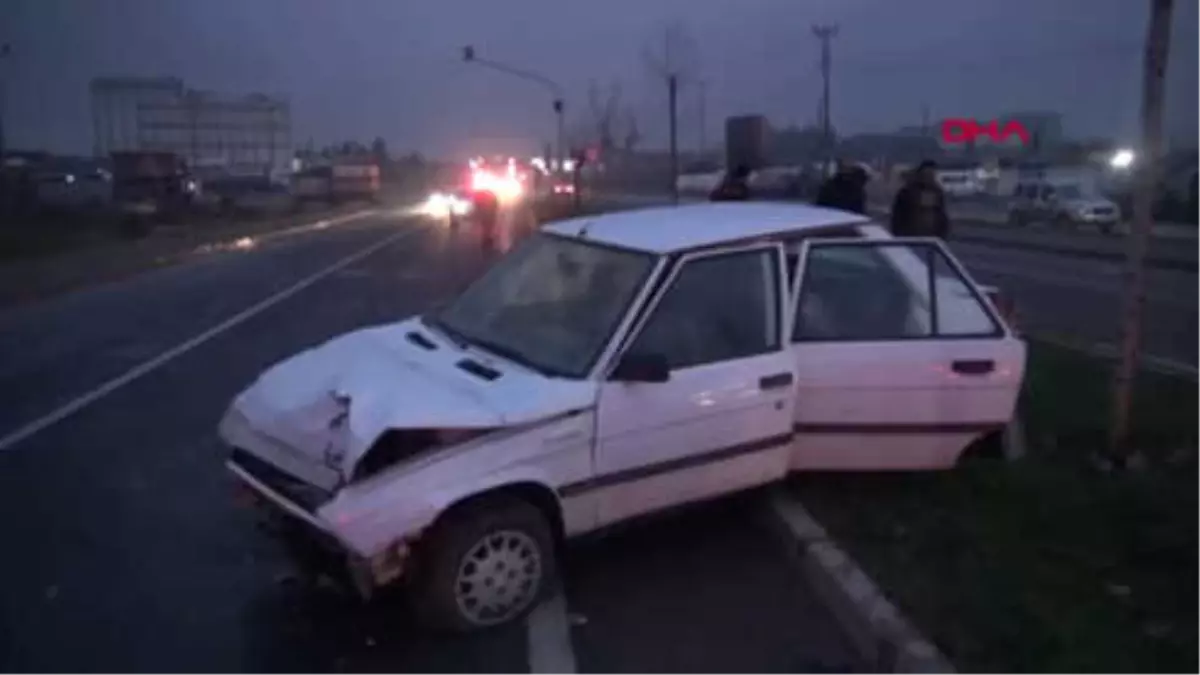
703	87
675	65
1158	36
826	33
672	104
5	54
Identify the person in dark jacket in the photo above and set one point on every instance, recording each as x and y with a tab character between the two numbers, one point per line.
734	187
846	189
486	209
919	209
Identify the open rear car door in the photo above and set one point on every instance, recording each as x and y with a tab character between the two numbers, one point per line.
901	360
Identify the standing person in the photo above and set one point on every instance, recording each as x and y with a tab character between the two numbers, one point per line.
734	187
846	189
919	209
487	214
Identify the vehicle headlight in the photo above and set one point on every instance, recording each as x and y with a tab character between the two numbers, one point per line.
437	204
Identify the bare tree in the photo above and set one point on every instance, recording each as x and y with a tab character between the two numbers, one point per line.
605	106
673	59
672	53
631	133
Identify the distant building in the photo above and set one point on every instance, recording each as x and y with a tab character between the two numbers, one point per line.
243	134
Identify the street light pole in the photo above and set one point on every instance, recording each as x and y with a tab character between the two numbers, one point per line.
550	85
5	52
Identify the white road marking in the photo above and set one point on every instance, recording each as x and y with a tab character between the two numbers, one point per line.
549	637
81	402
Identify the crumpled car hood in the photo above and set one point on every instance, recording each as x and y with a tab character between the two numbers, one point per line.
391	383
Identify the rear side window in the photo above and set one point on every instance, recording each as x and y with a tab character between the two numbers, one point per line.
886	291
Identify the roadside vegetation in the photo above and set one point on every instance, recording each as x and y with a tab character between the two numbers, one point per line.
1054	562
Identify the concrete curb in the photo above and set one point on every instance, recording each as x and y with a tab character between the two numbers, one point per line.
884	638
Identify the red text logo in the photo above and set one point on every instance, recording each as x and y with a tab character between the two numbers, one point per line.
964	130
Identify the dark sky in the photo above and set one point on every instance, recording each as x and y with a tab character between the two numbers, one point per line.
361	68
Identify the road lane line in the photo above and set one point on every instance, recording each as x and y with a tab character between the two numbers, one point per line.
81	402
549	637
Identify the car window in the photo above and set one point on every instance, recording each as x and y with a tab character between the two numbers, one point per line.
717	309
959	310
884	292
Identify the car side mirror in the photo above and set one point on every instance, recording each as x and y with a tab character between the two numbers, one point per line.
642	368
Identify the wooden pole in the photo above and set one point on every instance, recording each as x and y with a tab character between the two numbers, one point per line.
1158	36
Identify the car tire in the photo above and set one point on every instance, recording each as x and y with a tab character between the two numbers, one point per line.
1106	228
1015	219
1062	221
499	549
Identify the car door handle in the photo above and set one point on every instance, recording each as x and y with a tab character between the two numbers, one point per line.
775	381
973	366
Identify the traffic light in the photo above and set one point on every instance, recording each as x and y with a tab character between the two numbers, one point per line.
468	53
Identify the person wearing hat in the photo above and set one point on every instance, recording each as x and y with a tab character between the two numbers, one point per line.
919	209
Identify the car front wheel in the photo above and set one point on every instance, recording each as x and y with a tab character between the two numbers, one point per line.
484	565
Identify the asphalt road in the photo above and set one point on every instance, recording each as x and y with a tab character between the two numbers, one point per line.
126	552
1080	299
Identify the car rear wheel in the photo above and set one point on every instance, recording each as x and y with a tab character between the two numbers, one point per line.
484	565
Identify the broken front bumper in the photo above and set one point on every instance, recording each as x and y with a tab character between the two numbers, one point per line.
291	505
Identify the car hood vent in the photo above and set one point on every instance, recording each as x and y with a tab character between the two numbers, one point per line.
420	340
478	370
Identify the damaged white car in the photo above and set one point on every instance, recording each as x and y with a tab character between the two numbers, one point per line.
614	366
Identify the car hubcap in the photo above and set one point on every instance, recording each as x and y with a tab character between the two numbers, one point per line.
498	577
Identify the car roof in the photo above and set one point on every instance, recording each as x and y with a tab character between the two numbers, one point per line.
667	229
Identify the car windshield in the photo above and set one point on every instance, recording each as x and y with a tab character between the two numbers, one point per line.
551	304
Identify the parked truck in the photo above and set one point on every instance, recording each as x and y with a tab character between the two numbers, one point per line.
746	139
151	183
340	181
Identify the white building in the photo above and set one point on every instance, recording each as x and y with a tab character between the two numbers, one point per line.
246	134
